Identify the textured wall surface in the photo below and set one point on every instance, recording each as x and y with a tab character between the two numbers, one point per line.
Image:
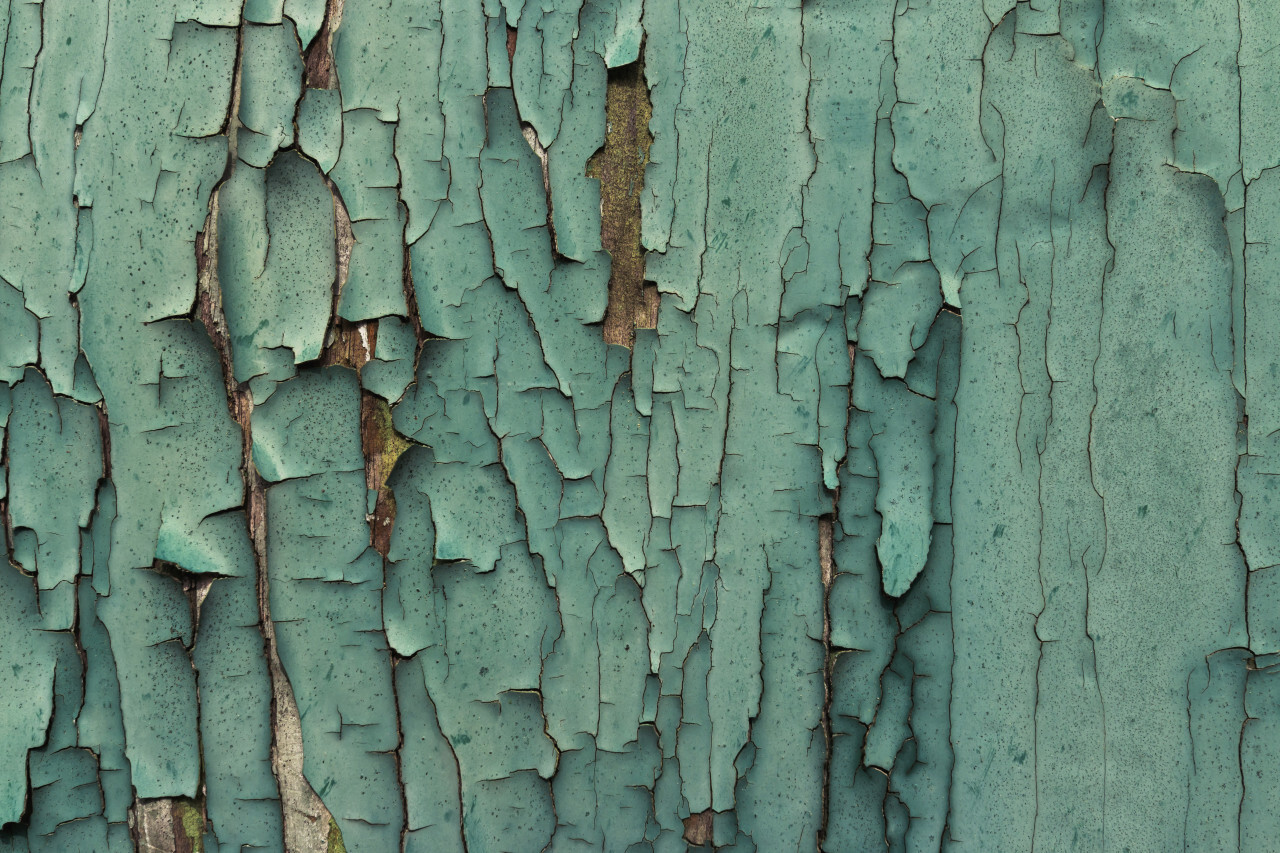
507	425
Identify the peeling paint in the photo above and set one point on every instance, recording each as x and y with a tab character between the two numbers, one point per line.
467	425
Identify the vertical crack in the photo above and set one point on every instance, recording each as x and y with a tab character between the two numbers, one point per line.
826	562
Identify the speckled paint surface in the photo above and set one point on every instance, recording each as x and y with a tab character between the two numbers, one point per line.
639	425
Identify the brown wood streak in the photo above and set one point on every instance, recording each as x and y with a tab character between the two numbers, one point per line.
318	56
300	805
183	840
620	166
382	447
698	828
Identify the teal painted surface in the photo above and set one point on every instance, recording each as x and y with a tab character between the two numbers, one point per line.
936	508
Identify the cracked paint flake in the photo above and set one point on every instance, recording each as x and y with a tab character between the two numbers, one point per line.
466	425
